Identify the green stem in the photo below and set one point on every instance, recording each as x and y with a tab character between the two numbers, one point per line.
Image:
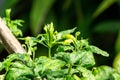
75	44
33	55
75	47
7	69
69	69
49	52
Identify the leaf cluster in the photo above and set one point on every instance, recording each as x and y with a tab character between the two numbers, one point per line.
73	59
13	24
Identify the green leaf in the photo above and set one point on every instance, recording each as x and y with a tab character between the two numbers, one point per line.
38	13
52	65
69	77
87	60
64	57
19	65
107	26
13	24
54	74
49	29
20	57
62	34
67	31
105	4
83	43
49	34
103	73
48	38
22	78
95	49
116	76
48	67
17	22
65	48
86	74
76	77
19	69
8	11
30	45
84	58
15	73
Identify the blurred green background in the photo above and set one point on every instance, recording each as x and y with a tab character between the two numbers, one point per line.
97	20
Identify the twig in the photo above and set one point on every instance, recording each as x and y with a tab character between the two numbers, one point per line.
8	40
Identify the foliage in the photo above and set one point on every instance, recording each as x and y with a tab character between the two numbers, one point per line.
94	18
101	18
13	24
73	59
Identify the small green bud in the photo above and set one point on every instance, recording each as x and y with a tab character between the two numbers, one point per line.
51	28
28	38
69	36
8	11
95	71
77	34
67	42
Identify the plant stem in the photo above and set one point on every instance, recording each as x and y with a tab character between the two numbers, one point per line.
75	45
69	69
49	52
33	55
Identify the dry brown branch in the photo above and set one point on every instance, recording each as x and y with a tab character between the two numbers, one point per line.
8	40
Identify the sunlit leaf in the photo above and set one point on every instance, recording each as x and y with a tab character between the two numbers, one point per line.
86	74
15	73
76	77
64	48
8	61
116	76
103	73
95	49
85	58
64	33
18	70
53	64
54	74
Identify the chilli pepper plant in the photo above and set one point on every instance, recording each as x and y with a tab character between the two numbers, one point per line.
72	60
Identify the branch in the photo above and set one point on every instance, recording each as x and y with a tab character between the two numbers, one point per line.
8	40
